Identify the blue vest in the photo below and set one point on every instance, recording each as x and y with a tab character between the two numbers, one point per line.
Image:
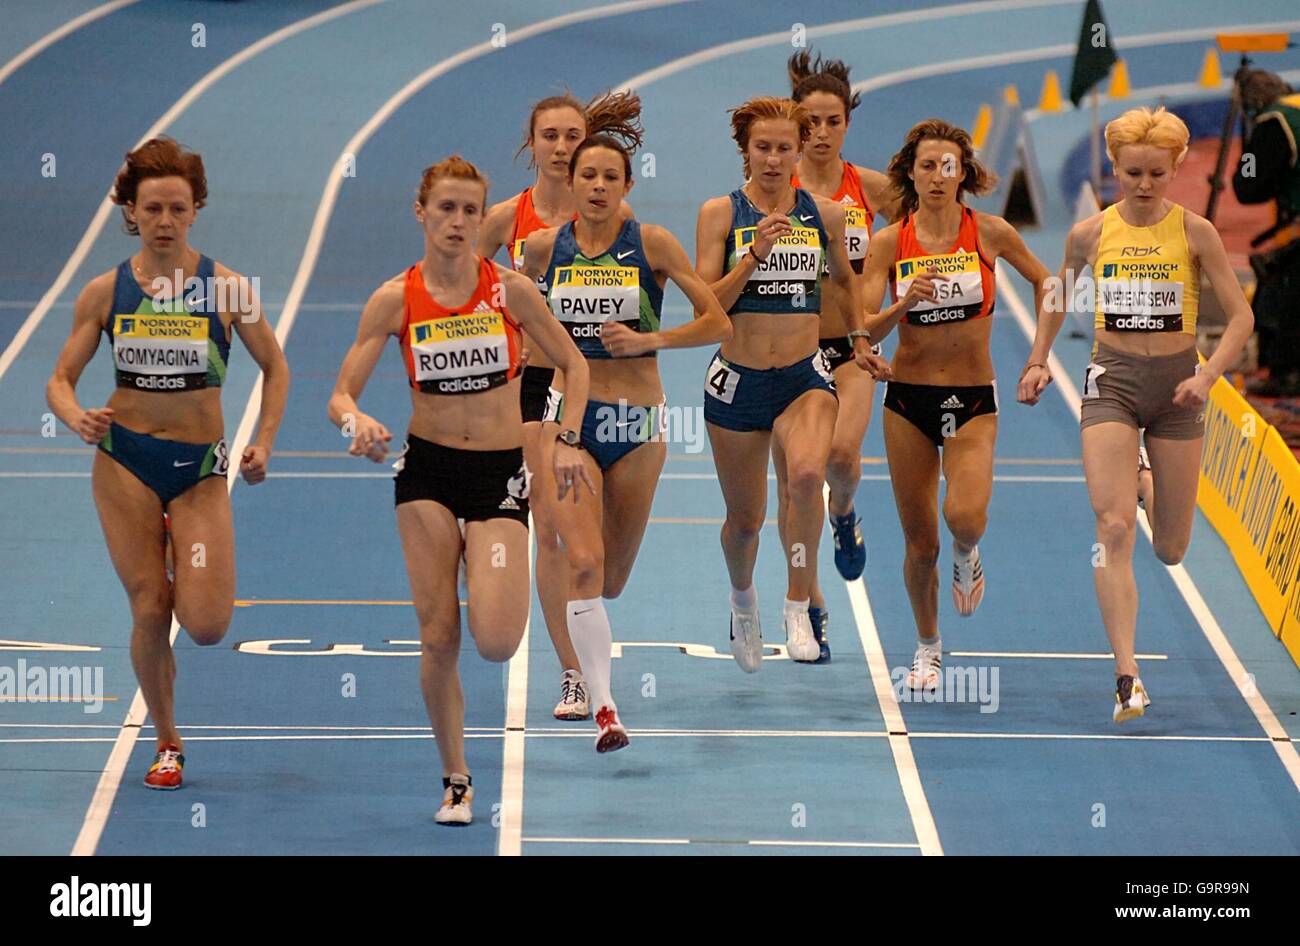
790	280
617	285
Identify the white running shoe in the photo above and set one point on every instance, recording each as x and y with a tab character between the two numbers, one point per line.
925	667
456	797
967	581
573	697
747	639
800	642
1131	699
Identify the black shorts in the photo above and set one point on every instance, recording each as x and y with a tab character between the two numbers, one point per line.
533	389
937	410
474	484
839	350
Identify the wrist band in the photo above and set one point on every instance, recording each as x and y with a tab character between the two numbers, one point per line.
859	333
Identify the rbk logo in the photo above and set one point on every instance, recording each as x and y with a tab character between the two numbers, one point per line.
1140	251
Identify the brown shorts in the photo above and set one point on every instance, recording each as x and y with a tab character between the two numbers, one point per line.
1138	390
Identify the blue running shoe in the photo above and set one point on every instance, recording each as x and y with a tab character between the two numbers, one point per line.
820	619
850	552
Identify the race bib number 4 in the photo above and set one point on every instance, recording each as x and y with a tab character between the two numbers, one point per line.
721	380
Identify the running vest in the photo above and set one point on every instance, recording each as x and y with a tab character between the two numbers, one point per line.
967	293
526	221
790	280
615	286
858	217
1146	280
176	345
474	347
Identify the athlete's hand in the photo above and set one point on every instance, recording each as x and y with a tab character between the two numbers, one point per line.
370	439
1194	391
1032	384
875	365
770	229
252	465
623	342
92	426
922	289
569	469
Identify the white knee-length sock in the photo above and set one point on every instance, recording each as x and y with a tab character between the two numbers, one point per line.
589	631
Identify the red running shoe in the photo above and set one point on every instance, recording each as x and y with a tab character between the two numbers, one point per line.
165	773
612	734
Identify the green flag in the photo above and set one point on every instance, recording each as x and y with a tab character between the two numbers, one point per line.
1096	52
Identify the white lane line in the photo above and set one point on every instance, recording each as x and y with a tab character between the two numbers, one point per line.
512	752
684	841
909	777
92	827
1205	619
652	733
88	238
1047	656
1034	54
860	24
52	37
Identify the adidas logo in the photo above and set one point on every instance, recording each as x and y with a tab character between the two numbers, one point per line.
846	200
508	503
482	307
951	403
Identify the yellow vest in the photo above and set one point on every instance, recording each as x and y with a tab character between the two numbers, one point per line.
1146	280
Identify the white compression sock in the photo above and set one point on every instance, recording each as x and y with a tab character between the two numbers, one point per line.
745	600
796	605
589	631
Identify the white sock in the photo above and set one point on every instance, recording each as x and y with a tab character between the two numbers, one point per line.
745	600
934	642
589	631
796	606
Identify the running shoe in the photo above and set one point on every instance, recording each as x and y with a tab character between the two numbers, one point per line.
746	639
1131	699
850	551
573	703
925	667
165	773
612	735
800	643
967	581
457	793
820	620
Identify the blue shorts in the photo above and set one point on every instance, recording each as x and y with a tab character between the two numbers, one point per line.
168	467
745	399
612	431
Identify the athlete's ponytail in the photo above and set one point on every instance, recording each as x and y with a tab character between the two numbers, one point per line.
821	75
158	157
612	113
978	180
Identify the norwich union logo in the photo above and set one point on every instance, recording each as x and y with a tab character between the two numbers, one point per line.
1108	270
127	326
423	333
904	270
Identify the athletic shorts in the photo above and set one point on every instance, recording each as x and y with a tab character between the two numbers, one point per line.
612	431
1138	390
533	390
746	399
839	350
940	410
475	485
168	467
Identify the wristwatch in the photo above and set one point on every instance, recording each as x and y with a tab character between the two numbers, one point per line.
569	438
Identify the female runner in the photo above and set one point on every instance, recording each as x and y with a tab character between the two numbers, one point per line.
161	447
941	402
1147	255
457	317
761	249
605	276
556	125
823	88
